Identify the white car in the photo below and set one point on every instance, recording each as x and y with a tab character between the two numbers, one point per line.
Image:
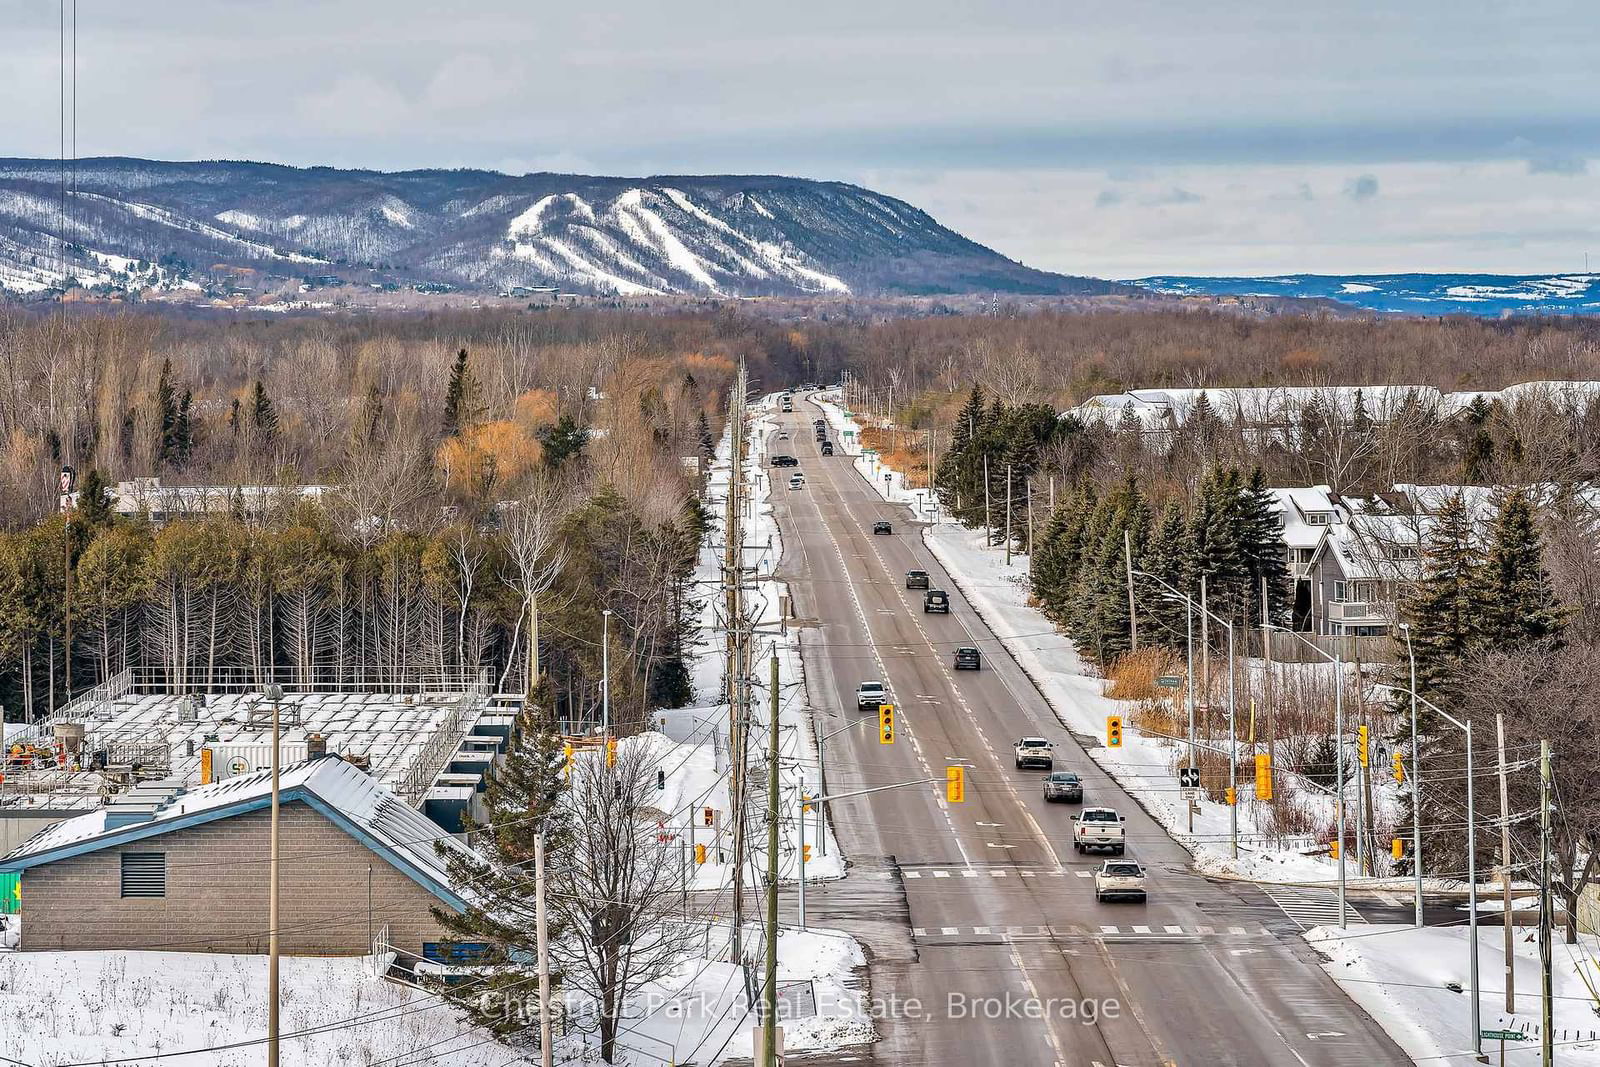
1119	880
797	481
1035	752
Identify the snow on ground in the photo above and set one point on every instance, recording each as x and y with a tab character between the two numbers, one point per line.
1401	976
1145	764
72	1007
700	1014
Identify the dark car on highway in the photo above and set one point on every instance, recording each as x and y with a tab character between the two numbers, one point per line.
968	659
936	600
785	461
882	527
1063	786
827	448
916	579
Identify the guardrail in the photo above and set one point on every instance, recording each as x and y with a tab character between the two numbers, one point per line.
441	747
316	678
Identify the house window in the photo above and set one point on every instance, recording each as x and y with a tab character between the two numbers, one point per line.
1340	592
144	874
1316	518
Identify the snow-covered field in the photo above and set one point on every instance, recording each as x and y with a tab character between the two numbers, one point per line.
1402	977
114	1007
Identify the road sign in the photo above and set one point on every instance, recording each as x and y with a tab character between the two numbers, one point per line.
1170	681
1189	777
1502	1035
1189	793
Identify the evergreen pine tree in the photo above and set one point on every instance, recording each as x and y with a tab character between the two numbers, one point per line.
1519	606
708	441
460	397
183	435
1168	556
166	413
522	797
1445	613
1264	550
94	508
959	471
563	442
263	415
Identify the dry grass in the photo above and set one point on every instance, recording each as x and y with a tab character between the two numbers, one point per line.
900	450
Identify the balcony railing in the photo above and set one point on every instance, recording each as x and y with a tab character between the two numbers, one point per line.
1361	611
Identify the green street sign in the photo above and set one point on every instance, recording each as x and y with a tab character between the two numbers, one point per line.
1502	1035
1170	681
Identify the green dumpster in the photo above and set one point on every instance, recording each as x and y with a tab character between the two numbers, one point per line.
10	894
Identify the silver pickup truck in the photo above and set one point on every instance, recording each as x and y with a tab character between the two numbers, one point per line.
1119	880
1099	828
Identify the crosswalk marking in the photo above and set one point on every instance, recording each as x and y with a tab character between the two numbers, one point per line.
1309	907
1039	933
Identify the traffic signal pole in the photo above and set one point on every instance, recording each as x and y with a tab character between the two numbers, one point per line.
803	801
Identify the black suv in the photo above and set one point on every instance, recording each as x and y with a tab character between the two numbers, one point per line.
882	527
916	579
785	461
936	600
969	659
827	448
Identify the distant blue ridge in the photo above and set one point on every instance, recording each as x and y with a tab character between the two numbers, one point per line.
1490	295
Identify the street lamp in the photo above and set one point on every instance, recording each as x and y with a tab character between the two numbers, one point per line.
1188	696
1472	852
1416	777
274	693
1338	748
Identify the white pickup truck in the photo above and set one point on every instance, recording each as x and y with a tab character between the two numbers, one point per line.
1119	880
1035	752
1099	828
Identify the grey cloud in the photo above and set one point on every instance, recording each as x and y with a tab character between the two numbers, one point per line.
1175	195
1362	187
1108	198
1569	166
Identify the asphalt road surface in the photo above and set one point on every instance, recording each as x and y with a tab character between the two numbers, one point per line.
986	943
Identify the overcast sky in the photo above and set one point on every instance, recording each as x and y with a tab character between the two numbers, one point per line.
1123	139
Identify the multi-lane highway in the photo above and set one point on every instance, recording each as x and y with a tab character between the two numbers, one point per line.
987	945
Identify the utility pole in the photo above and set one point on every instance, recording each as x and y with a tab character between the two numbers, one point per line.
1205	659
274	693
988	526
605	674
1505	864
1008	515
1416	782
1271	689
1546	998
737	674
69	477
542	937
1133	614
769	999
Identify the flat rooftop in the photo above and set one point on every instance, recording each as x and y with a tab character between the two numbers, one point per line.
389	729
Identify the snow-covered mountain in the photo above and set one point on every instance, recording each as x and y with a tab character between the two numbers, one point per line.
138	223
1411	294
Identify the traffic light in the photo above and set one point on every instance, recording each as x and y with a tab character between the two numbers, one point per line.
567	751
1263	776
1399	767
1113	731
1333	849
699	854
1230	795
805	854
1361	744
709	816
955	784
661	779
611	752
1397	849
805	803
886	724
